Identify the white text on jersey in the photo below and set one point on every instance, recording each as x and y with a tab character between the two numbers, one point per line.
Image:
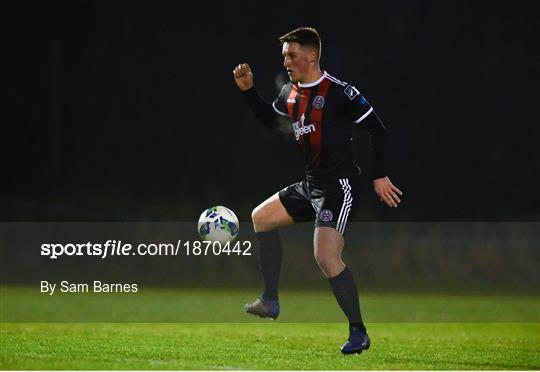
301	129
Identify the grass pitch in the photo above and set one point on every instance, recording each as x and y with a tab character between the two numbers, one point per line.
408	332
268	346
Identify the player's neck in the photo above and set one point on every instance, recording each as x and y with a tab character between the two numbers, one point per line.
312	76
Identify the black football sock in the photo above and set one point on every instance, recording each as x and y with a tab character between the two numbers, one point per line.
270	253
346	293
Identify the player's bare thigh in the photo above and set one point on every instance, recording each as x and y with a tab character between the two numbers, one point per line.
270	215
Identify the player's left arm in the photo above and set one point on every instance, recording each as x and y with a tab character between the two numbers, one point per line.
362	113
388	193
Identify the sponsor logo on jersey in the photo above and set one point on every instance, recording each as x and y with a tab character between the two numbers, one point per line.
351	92
326	215
291	100
300	129
318	102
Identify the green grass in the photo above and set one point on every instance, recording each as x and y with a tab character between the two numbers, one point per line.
179	329
267	346
26	304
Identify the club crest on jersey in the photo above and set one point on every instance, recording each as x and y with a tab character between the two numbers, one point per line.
300	129
326	215
318	102
351	92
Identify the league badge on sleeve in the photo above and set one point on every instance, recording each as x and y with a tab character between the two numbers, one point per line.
351	92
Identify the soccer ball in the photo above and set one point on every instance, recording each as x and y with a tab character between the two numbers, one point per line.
218	224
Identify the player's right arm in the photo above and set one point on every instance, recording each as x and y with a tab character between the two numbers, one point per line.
243	77
262	109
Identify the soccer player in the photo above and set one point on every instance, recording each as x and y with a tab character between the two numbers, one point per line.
323	110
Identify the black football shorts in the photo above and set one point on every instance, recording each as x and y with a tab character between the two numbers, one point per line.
330	204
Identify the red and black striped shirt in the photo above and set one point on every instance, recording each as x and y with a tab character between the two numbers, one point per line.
323	114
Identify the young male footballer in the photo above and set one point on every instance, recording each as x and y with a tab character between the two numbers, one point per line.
323	110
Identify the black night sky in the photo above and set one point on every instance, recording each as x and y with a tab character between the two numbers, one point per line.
128	110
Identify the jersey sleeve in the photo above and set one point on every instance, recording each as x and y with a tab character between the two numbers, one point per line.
280	103
261	108
357	108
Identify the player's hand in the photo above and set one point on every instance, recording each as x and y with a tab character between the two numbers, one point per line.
388	193
243	76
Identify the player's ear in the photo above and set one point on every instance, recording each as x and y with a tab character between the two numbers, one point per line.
313	56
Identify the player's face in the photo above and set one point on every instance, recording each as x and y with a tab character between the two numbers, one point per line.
297	61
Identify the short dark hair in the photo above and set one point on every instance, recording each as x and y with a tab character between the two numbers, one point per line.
305	36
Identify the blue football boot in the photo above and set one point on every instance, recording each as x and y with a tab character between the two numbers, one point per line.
263	308
358	341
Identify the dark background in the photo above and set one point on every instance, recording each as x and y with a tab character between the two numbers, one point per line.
128	110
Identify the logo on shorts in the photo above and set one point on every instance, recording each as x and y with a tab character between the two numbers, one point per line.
326	215
318	102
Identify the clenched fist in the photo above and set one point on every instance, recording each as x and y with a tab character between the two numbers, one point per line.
243	76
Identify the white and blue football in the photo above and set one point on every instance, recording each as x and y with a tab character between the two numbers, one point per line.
218	224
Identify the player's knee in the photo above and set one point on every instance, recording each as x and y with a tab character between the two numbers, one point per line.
323	260
328	263
261	219
257	215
